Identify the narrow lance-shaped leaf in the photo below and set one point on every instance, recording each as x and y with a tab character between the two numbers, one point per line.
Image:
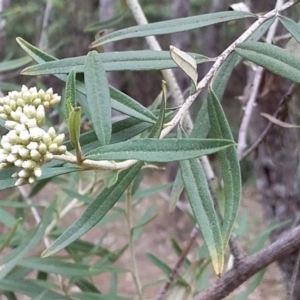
291	26
171	26
10	235
95	211
138	60
275	59
157	128
98	97
74	123
229	165
159	150
200	130
70	93
202	205
185	62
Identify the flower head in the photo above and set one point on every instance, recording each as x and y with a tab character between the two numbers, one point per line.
27	145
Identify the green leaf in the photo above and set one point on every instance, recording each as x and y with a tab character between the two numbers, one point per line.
10	235
9	262
57	266
30	288
74	124
95	211
291	26
170	26
138	60
120	101
94	296
126	105
159	263
275	59
14	64
202	205
159	150
200	130
85	285
70	93
98	97
157	128
229	165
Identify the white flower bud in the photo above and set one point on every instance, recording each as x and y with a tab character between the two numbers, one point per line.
11	158
20	102
31	179
53	148
3	116
11	124
24	153
15	175
23	119
29	111
13	104
52	133
18	163
24	136
29	164
24	89
59	139
37	172
42	149
23	174
33	91
7	109
47	139
46	104
32	146
62	149
6	145
20	181
37	101
35	155
40	115
31	123
15	149
48	157
36	133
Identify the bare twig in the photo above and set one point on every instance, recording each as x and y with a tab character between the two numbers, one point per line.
283	102
254	90
248	266
178	264
43	35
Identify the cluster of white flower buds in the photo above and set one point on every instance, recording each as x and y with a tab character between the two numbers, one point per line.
27	145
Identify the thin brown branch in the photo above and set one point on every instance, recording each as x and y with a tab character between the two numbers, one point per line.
283	102
248	266
294	277
178	264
